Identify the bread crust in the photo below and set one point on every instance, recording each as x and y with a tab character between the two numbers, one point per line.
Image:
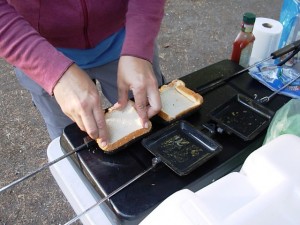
111	147
179	85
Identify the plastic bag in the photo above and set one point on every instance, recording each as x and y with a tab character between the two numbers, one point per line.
285	121
275	77
290	19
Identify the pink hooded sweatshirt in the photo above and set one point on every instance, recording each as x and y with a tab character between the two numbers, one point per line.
30	31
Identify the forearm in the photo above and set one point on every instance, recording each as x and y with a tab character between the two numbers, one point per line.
143	21
22	46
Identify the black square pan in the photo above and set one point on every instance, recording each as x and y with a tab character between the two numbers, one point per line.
181	147
242	116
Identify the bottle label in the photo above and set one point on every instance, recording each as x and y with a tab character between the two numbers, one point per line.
247	27
245	55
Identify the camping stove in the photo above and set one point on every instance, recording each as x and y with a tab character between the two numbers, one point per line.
107	172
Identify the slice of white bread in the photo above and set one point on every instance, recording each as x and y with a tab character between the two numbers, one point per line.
177	100
123	126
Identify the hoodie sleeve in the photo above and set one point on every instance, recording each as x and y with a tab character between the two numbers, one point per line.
22	46
143	20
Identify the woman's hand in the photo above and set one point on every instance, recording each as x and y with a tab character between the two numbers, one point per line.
137	75
79	99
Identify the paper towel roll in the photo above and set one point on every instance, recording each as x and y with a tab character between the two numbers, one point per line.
267	34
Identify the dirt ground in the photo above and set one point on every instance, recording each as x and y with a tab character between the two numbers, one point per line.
194	34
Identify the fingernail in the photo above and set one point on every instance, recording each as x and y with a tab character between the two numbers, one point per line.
146	125
103	143
116	105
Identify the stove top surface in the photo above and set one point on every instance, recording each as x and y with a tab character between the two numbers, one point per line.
108	172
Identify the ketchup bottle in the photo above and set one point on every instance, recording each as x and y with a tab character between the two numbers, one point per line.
243	44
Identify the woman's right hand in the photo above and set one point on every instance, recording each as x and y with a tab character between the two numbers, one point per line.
79	99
